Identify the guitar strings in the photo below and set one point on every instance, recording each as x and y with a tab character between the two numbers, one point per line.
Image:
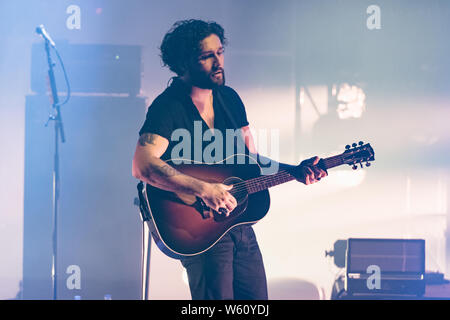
280	177
263	182
258	180
256	183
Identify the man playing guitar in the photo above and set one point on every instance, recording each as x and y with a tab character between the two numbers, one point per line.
194	49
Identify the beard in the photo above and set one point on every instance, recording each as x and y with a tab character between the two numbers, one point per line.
208	80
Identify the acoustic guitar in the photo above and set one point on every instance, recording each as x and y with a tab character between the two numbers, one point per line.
182	224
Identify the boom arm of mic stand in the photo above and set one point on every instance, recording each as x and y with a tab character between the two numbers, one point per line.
51	75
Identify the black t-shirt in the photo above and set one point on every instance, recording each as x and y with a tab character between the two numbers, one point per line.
174	116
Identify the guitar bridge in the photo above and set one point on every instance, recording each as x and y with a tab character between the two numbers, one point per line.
201	207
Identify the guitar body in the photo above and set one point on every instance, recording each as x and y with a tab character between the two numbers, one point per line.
183	228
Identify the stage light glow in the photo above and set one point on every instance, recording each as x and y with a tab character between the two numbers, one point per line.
184	276
302	96
313	105
425	138
352	101
346	178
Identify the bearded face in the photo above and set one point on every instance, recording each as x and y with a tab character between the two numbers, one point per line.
207	71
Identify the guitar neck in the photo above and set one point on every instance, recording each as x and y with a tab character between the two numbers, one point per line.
332	162
267	181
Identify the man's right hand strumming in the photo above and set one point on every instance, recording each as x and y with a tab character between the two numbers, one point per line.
148	167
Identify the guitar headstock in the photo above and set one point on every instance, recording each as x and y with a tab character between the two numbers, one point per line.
357	154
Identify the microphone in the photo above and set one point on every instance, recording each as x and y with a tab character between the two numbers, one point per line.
41	31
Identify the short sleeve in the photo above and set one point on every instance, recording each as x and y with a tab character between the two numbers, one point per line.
158	119
236	107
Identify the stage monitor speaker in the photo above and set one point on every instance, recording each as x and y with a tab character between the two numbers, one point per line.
385	266
99	227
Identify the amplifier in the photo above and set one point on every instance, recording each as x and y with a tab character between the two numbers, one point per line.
91	68
385	266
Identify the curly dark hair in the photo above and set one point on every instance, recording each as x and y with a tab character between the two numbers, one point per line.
182	42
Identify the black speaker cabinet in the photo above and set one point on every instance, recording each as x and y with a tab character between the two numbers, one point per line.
95	68
385	266
99	227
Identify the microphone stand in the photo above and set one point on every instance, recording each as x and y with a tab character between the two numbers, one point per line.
147	229
59	134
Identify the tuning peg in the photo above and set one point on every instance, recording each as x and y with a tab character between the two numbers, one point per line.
360	143
354	145
347	147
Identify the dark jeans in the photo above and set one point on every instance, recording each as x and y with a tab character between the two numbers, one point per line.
232	269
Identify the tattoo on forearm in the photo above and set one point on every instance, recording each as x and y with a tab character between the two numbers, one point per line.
164	170
168	171
146	138
157	175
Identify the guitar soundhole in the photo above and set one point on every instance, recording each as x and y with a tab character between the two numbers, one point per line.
239	190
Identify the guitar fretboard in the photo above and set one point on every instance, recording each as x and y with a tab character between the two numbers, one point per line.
267	181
